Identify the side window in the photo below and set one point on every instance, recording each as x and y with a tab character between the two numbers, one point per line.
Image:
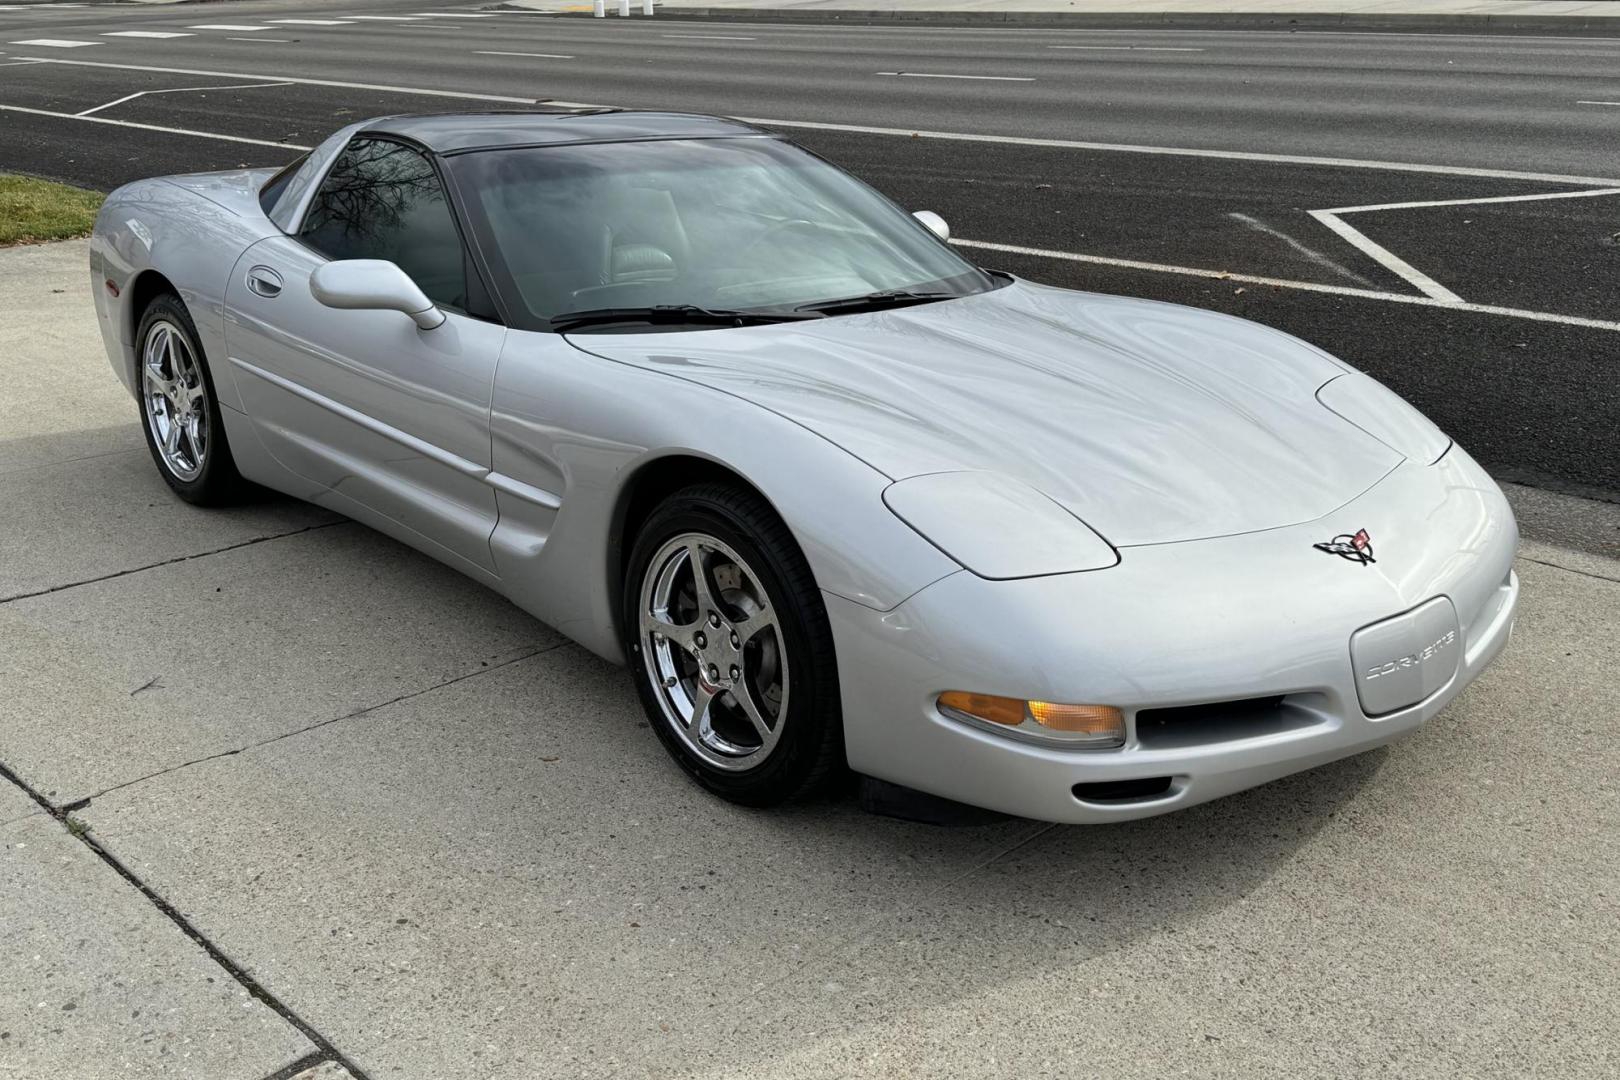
382	200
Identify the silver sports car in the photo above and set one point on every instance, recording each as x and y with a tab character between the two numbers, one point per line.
839	498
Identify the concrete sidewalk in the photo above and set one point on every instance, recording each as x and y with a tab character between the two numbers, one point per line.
304	796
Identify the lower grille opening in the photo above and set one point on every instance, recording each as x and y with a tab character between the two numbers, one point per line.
1222	721
1122	790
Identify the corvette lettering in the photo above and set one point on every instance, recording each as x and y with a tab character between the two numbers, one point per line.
1412	660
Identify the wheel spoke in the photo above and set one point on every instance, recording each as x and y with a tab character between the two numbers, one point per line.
654	623
196	436
743	694
749	628
708	597
702	701
171	438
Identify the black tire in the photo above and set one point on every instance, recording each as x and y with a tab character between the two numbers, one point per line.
217	482
809	747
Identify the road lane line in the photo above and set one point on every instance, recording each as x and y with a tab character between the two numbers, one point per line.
310	22
1310	253
176	90
147	34
243	28
1387	258
387	18
538	55
1598	103
710	37
1302	286
57	43
917	133
153	127
272	40
979	78
1169	151
295	80
1129	48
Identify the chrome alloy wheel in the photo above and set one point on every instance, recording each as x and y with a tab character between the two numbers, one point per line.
176	403
714	652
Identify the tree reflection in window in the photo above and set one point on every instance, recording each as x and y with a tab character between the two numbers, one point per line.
382	200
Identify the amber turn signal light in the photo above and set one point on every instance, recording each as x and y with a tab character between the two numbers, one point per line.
1090	725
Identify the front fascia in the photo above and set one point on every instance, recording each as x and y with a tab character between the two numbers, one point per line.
1176	624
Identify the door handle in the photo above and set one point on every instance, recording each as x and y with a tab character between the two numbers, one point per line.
265	282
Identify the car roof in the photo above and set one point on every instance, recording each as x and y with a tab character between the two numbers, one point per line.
452	133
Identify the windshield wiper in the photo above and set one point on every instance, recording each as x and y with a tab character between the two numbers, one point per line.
874	301
674	314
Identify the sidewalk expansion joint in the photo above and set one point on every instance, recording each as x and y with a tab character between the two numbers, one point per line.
325	1050
300	1066
1570	569
494	665
171	562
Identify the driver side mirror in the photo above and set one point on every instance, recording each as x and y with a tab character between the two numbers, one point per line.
935	223
373	285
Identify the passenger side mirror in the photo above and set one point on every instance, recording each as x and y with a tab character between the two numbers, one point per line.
373	285
935	223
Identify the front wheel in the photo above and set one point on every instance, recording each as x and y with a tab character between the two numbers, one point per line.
731	649
179	410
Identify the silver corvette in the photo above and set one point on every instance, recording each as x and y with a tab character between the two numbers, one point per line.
839	498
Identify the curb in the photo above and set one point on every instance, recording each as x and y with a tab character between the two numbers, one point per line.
1281	21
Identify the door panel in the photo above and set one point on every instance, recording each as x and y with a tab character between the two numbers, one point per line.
365	403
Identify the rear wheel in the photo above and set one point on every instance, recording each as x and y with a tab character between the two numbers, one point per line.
731	652
179	410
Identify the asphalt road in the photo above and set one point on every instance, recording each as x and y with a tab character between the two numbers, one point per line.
1141	162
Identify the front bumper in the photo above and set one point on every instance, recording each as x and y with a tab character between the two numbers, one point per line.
1262	619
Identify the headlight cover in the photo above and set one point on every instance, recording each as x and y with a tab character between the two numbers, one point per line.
1385	415
996	526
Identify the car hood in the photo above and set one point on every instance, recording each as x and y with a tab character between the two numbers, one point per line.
1151	422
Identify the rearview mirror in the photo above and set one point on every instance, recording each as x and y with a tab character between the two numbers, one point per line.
935	223
373	285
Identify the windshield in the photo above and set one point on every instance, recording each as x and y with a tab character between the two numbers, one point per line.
742	224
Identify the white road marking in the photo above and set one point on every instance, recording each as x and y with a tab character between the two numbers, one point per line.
1310	253
243	28
537	55
959	136
311	22
1130	48
146	34
979	78
1173	151
272	40
455	15
1587	194
1387	258
58	43
1302	286
1400	266
153	127
710	37
176	90
305	82
1598	103
387	18
17	63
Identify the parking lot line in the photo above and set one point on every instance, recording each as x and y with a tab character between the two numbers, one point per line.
153	127
1302	286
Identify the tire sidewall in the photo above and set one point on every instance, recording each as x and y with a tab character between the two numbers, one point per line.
812	699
